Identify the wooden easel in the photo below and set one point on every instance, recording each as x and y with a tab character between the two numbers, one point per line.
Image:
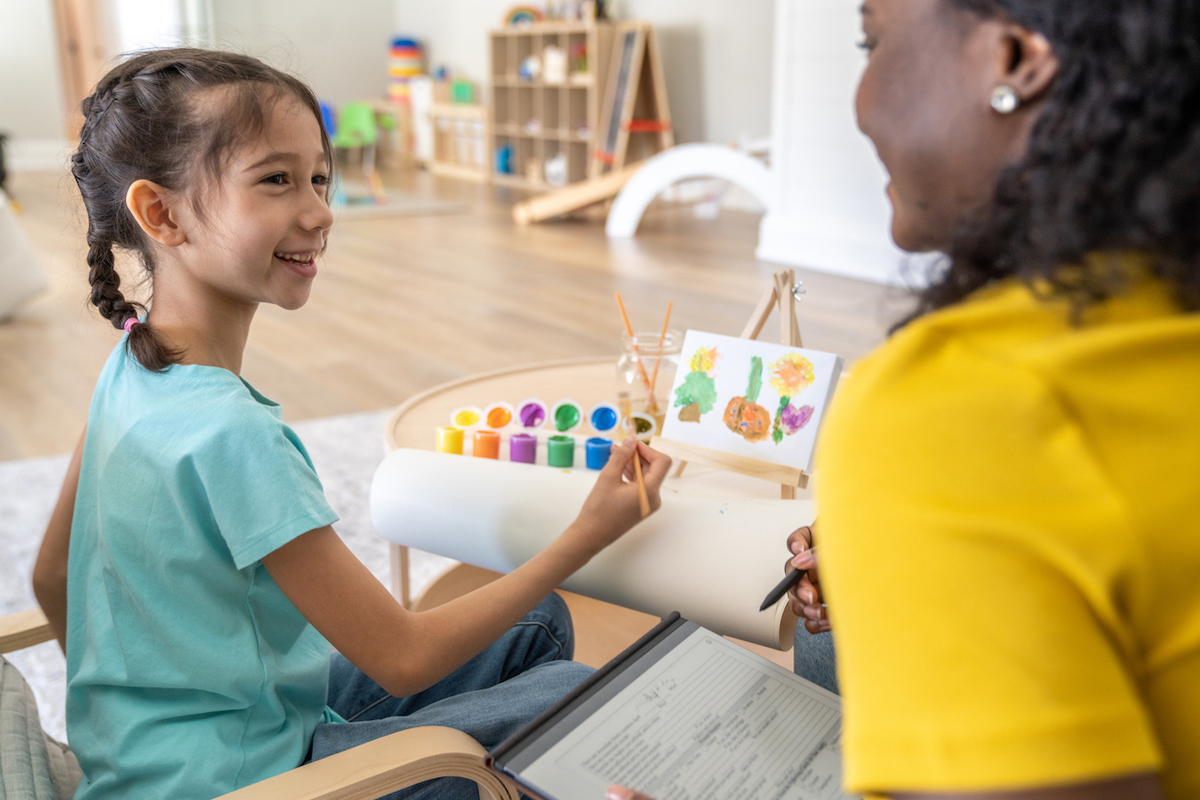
635	103
781	294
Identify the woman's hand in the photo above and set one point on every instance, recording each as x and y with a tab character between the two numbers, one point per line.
621	793
613	507
805	596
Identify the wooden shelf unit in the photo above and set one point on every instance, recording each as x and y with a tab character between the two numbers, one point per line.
540	120
459	141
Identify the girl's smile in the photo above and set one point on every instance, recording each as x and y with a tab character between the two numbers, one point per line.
303	264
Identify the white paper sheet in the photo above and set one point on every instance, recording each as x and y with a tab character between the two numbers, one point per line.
729	395
712	560
710	721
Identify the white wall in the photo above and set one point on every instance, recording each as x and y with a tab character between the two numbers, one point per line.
340	48
31	103
716	53
830	212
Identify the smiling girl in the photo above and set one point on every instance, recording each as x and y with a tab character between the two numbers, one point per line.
189	569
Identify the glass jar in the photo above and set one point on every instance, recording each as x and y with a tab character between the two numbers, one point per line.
646	359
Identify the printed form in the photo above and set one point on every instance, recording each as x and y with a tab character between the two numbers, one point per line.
708	721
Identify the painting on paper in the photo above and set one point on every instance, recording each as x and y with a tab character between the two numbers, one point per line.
751	398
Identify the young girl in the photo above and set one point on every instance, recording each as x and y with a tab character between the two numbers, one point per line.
203	584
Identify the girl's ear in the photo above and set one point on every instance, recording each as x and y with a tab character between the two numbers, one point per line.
151	207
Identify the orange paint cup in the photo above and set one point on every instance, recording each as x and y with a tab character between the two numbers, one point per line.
487	444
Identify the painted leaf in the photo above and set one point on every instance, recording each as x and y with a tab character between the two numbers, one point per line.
697	389
755	386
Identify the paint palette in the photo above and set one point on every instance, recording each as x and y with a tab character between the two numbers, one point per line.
565	416
532	427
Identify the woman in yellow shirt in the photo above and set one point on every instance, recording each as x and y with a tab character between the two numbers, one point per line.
1010	486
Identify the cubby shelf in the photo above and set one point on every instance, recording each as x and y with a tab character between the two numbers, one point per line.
538	120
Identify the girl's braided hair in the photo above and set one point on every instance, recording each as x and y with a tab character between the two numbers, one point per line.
146	120
1113	162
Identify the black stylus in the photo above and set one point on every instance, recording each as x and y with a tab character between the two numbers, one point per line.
781	588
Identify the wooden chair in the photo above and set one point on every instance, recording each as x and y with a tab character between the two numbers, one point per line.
368	771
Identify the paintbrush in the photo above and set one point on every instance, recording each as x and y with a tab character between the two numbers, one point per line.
643	499
651	405
662	342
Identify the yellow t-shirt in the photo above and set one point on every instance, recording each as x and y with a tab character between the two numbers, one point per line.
1010	537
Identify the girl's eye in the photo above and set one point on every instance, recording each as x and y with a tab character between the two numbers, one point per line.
279	179
867	44
321	180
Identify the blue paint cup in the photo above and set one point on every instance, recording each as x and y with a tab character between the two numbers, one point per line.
598	451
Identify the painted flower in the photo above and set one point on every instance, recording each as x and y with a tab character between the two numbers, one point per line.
793	419
791	374
704	359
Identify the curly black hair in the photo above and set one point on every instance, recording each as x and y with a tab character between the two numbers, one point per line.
1113	162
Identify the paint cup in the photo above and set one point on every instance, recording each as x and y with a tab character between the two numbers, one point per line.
498	415
561	451
522	448
566	416
531	414
450	440
467	417
641	425
604	417
598	451
486	444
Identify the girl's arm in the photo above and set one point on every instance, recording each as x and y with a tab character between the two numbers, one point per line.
50	570
406	652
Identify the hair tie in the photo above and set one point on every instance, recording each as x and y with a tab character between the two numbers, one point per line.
129	323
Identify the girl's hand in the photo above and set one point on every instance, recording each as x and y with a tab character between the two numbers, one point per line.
613	507
805	596
621	793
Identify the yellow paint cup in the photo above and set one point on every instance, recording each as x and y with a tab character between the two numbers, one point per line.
450	440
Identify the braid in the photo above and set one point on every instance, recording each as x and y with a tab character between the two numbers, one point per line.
106	285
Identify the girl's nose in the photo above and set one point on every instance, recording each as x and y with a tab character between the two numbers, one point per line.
317	214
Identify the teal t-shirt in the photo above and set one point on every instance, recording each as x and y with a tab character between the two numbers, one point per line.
189	673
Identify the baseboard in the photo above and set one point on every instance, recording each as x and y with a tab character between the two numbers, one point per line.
37	155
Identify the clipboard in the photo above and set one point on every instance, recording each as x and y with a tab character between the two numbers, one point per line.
643	721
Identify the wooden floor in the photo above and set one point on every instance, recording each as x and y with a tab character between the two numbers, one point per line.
402	304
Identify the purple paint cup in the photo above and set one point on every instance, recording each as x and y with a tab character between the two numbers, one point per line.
523	448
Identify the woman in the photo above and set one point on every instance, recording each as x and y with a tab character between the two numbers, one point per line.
1010	508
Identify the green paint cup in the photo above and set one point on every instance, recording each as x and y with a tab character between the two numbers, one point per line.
566	416
562	451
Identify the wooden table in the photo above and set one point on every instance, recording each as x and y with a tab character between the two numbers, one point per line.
602	630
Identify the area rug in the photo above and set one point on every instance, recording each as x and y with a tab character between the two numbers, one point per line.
345	450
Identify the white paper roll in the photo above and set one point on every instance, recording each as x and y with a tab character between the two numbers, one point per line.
711	560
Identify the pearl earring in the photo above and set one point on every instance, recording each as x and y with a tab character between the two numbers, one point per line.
1005	100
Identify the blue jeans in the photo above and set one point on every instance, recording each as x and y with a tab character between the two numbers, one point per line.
490	697
814	658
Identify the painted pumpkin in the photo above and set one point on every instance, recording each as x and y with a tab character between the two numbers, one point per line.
748	419
744	416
